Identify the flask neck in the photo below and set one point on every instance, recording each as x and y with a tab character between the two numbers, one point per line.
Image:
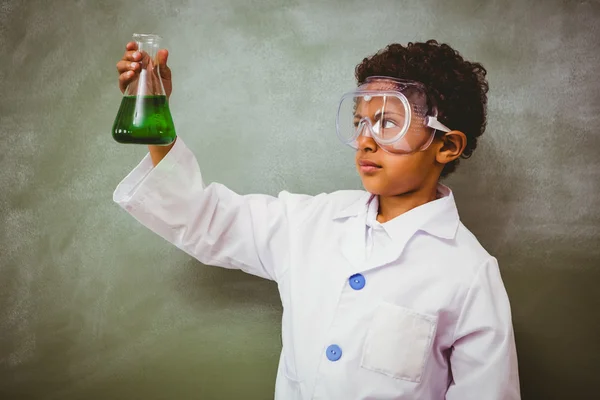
148	82
148	44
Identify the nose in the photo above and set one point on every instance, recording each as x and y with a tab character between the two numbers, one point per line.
364	140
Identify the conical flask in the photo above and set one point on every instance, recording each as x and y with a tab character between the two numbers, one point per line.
144	116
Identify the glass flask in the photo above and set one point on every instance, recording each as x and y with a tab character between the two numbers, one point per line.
144	116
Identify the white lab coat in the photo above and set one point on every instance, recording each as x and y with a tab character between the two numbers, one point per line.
424	317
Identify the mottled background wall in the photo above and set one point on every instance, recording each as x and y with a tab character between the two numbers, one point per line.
94	306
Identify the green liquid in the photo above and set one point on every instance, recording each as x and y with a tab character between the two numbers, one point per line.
149	122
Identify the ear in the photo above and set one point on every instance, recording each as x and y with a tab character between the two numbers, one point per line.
452	146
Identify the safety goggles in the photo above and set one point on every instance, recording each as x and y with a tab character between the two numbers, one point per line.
397	114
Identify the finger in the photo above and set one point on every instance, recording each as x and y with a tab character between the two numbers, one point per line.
124	66
162	56
132	55
125	79
131	46
165	71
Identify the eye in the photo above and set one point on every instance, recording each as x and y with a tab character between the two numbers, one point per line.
389	124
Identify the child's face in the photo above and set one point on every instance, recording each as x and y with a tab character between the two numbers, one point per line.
396	174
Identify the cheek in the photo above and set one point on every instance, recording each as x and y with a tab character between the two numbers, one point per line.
404	173
401	174
403	167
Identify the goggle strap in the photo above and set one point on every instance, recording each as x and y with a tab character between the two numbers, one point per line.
433	122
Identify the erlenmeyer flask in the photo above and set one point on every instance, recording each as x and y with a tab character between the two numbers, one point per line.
144	116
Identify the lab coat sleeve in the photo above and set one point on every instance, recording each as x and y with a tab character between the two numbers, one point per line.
211	223
484	358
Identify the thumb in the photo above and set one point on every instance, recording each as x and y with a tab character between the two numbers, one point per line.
162	56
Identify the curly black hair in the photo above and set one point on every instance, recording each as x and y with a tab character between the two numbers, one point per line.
459	87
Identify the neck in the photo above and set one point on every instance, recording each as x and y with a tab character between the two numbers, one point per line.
392	206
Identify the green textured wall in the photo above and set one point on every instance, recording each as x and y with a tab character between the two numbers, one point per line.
93	306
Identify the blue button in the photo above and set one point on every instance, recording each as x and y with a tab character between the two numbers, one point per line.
334	352
357	282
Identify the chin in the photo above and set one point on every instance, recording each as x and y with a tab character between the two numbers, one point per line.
372	185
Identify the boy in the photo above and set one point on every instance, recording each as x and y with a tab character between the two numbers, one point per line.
386	295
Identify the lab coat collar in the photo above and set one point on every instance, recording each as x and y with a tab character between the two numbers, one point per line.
444	219
438	218
355	208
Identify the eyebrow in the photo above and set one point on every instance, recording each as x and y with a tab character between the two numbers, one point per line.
377	114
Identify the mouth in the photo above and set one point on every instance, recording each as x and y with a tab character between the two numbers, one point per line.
368	166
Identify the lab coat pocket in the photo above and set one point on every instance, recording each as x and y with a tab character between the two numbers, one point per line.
398	342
